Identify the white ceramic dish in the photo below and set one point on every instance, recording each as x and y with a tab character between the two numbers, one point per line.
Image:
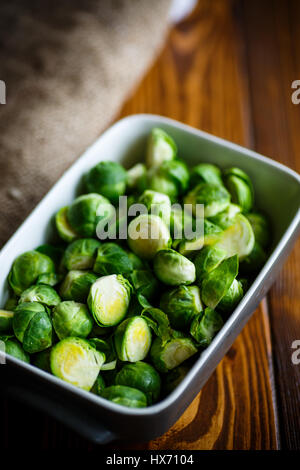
277	189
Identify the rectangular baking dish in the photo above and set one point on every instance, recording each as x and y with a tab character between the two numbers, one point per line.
277	190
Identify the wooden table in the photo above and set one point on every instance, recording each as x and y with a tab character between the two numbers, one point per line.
228	70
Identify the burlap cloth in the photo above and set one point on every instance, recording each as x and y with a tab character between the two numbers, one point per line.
68	65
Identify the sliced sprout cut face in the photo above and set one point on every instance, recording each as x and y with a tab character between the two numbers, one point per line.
172	354
76	362
125	396
133	339
238	238
109	299
64	229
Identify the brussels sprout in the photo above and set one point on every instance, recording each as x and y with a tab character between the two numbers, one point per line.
133	339
205	173
205	326
172	354
144	283
98	386
238	238
32	326
173	378
254	261
14	348
148	234
107	178
160	148
71	319
26	269
260	227
240	187
11	303
49	279
157	204
217	282
136	262
232	297
137	178
170	178
40	293
125	396
54	252
76	285
158	321
141	376
75	361
42	360
87	211
63	227
112	259
173	269
226	218
214	197
181	305
81	254
6	318
109	299
208	259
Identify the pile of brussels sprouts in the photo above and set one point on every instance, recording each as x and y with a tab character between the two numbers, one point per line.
125	319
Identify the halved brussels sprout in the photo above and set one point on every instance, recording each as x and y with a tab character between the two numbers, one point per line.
160	148
32	326
232	297
75	361
87	211
109	299
240	187
54	252
26	269
49	279
173	378
215	198
125	396
171	178
63	227
173	269
98	386
260	227
148	234
205	173
6	318
170	355
14	348
141	376
181	305
157	204
137	178
254	261
71	319
208	259
205	326
226	218
112	259
40	293
144	283
107	178
238	238
81	254
76	285
217	282
133	339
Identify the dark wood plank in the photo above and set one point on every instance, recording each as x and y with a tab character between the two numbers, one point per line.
273	64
